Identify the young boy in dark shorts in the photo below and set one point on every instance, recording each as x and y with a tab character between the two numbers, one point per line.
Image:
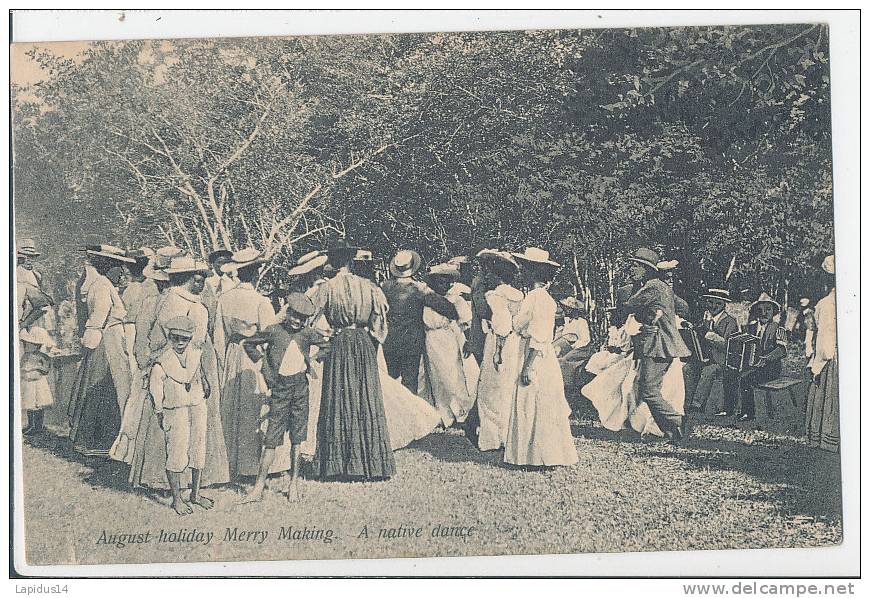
285	368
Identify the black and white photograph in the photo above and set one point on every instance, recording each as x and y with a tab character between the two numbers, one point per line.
531	291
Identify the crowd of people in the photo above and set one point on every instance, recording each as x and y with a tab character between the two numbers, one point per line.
193	377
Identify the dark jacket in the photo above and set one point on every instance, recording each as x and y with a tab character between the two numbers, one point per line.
407	298
722	329
653	297
772	346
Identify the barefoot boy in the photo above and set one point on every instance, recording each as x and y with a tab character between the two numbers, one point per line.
179	390
285	369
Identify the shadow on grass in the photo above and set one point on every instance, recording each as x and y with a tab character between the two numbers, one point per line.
454	447
100	472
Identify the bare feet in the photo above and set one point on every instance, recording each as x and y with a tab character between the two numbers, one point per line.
255	494
294	491
182	507
203	501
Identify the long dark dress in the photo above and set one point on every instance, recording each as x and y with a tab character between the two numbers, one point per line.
352	437
102	383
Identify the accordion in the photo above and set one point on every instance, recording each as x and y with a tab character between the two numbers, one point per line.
693	342
741	352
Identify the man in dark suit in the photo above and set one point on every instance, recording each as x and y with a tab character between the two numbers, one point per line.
718	325
771	349
659	341
406	335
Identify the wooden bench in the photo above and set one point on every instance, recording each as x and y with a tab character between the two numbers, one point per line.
778	385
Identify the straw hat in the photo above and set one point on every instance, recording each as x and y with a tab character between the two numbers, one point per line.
318	260
27	248
447	270
185	263
828	264
646	257
805	302
571	303
405	263
720	294
154	273
664	266
765	298
242	259
111	252
536	255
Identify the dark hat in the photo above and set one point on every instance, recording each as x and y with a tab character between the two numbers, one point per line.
219	254
180	326
405	263
299	303
720	294
341	246
647	257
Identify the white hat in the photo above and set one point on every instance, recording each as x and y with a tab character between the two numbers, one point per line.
185	263
309	265
27	248
242	258
111	252
536	255
765	298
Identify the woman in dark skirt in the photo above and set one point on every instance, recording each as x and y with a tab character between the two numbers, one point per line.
102	384
352	438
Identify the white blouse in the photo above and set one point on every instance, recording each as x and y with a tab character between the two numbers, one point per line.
536	319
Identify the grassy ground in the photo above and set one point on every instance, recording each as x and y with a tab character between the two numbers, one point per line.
729	487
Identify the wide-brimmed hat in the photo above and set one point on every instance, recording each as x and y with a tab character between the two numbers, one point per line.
36	335
143	254
109	252
666	265
154	273
341	246
180	326
828	264
308	264
242	259
536	255
405	263
219	254
765	298
445	270
184	264
720	294
301	304
805	302
571	303
646	257
27	248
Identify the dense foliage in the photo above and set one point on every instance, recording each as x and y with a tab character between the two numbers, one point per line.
711	144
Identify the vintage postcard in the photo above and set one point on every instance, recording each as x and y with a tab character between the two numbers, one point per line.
419	295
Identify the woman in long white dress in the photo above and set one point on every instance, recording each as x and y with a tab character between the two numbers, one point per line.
501	354
613	391
539	433
442	379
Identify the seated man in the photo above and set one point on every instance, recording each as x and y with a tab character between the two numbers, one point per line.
771	349
717	327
